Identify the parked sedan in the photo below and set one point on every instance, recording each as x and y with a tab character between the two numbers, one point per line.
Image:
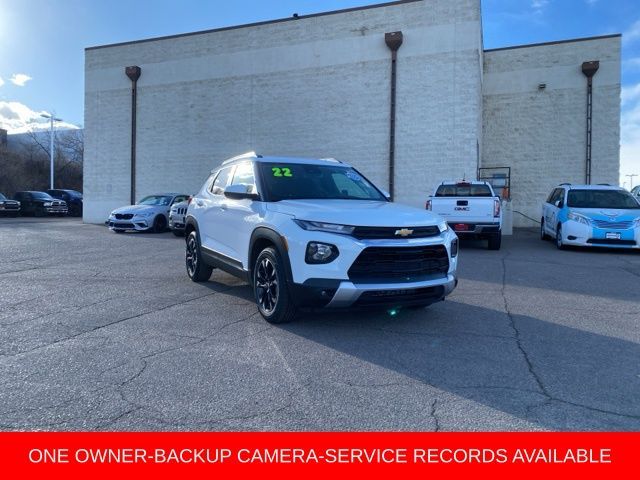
149	214
40	204
9	207
73	199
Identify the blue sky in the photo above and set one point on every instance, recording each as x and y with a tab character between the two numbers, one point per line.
42	42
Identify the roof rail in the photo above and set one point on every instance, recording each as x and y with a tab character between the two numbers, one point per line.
605	184
565	183
238	157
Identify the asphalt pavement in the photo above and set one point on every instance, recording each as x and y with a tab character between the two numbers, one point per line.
100	331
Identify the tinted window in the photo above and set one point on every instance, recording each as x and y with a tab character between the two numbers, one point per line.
601	199
284	181
2	197
221	181
558	195
465	190
41	196
179	198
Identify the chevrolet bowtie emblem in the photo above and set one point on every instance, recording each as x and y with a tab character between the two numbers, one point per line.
404	232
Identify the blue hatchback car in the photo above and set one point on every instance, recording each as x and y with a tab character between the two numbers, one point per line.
591	216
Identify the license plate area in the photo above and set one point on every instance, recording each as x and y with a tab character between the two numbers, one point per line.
612	236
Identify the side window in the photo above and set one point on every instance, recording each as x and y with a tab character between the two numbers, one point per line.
179	199
221	181
244	176
552	195
558	195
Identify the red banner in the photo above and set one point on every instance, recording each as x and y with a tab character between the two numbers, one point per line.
501	455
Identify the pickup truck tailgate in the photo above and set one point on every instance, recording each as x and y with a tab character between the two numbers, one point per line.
464	209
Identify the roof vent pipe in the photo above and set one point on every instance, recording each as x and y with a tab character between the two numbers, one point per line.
133	73
394	42
589	69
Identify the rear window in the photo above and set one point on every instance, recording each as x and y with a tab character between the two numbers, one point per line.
463	191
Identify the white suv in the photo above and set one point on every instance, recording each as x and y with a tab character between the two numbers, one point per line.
317	234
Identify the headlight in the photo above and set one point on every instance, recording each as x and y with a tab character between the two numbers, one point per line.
443	226
576	217
320	253
48	204
325	227
144	215
636	223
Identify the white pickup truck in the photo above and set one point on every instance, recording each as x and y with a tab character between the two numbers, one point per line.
472	210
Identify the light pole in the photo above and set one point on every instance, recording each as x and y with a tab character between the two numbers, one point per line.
53	119
631	179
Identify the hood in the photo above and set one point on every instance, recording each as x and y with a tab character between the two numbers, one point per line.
359	213
608	214
140	209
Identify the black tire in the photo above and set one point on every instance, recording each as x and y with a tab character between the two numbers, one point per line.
543	234
197	270
495	241
559	243
270	288
178	233
159	224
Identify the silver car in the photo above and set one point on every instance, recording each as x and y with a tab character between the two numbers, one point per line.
149	214
177	216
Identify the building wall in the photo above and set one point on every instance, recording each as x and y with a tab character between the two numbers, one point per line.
317	86
541	134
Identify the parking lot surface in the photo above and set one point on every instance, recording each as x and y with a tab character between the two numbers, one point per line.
100	331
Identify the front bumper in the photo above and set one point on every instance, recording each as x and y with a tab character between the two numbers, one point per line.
136	224
177	222
579	235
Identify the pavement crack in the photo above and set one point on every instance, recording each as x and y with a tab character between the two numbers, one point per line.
433	414
517	335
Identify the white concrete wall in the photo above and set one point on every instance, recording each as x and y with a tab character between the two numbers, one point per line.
315	87
541	134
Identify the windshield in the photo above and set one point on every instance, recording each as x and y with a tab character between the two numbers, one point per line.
289	181
463	190
601	199
158	200
42	196
2	197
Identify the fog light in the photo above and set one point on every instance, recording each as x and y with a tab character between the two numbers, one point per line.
320	252
454	248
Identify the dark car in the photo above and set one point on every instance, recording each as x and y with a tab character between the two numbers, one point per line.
73	199
40	204
9	207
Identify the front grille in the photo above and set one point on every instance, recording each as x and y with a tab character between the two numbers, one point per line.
124	216
122	225
620	225
399	297
11	206
363	233
611	241
399	263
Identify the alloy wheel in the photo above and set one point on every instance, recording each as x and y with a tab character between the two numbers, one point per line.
267	286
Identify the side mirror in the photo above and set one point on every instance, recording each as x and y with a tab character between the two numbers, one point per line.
240	192
558	203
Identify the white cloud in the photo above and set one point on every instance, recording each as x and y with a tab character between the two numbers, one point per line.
539	4
632	34
16	117
20	79
1	81
630	94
